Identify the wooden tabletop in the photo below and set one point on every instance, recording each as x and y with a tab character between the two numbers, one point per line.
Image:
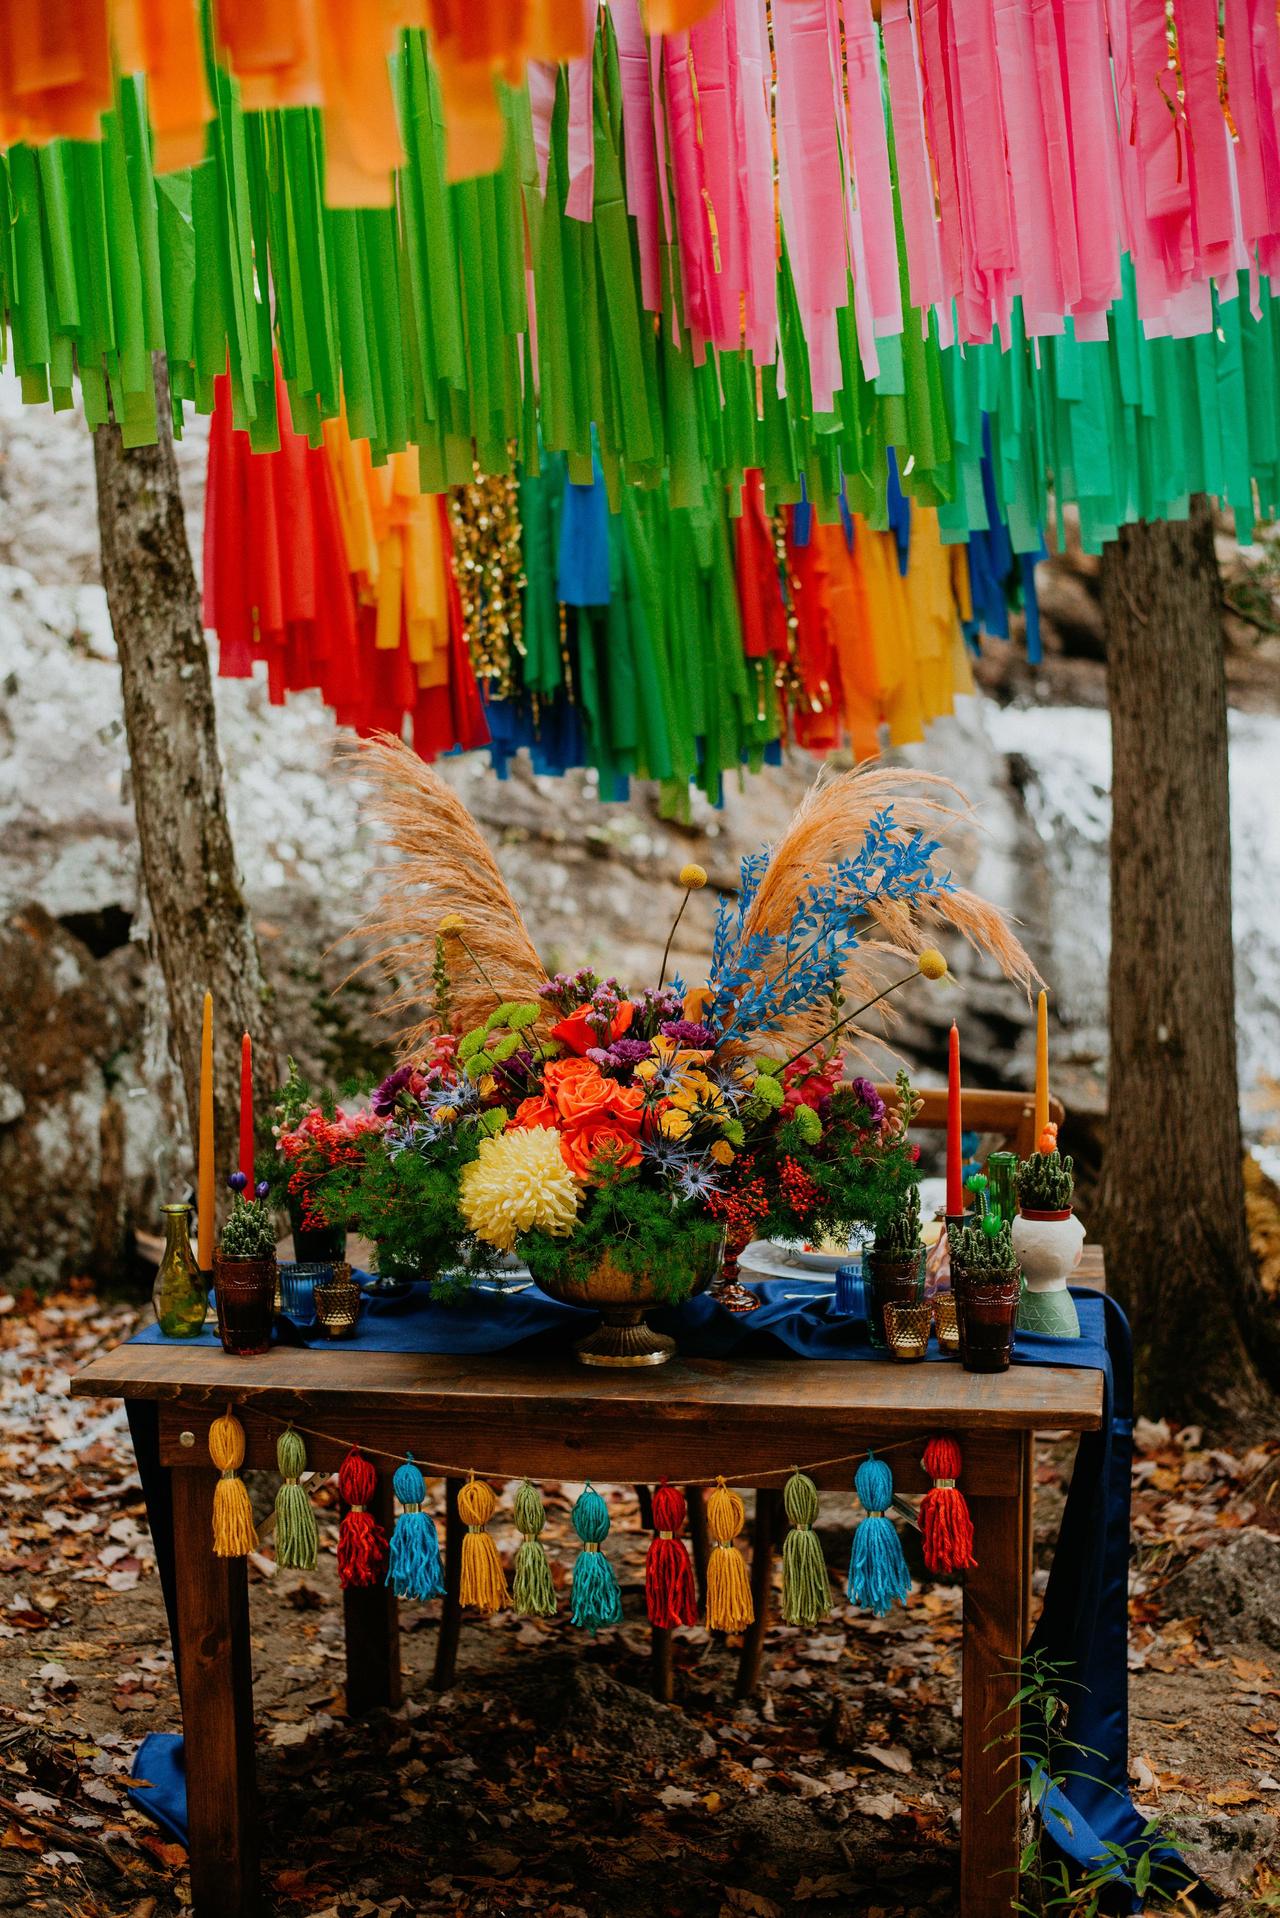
896	1397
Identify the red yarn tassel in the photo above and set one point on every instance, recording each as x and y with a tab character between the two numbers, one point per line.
362	1543
668	1571
946	1529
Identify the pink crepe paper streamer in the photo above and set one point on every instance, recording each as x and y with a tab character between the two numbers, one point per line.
755	146
915	179
869	150
582	136
1095	160
810	185
1035	205
937	114
639	144
1051	100
1208	151
982	177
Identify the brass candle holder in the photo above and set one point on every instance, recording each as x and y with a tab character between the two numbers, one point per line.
338	1303
906	1328
944	1312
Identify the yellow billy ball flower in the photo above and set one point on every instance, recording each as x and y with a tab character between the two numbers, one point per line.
452	922
693	877
518	1182
932	964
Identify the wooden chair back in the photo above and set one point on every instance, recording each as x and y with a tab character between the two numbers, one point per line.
1010	1116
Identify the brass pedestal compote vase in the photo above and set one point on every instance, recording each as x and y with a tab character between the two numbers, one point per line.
623	1293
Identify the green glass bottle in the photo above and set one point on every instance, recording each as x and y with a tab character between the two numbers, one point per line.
179	1296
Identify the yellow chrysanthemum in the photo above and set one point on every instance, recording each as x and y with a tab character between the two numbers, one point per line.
693	877
932	964
518	1182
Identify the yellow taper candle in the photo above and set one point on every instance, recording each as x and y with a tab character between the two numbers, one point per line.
1042	1065
204	1168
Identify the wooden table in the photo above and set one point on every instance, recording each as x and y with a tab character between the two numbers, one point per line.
509	1414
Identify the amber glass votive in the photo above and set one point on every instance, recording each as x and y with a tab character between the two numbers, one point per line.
944	1314
244	1292
906	1330
338	1303
985	1315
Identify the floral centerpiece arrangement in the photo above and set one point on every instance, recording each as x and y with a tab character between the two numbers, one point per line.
614	1138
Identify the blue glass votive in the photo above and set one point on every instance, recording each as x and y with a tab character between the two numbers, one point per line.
298	1280
850	1298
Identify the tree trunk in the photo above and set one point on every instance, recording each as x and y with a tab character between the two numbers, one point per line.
200	923
1173	1193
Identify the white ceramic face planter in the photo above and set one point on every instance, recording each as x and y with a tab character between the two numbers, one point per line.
1048	1250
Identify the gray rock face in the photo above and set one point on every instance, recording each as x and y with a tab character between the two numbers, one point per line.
1234	1588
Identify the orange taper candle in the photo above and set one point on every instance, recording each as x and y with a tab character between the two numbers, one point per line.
204	1162
1042	1065
955	1161
246	1113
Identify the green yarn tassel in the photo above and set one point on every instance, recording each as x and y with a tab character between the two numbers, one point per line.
295	1520
596	1598
534	1592
806	1589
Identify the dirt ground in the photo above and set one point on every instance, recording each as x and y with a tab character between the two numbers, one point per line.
548	1780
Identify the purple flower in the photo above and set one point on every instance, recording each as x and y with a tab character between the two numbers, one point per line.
237	1181
384	1097
262	1188
683	1032
629	1052
871	1099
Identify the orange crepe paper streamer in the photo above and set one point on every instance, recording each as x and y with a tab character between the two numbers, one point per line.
162	40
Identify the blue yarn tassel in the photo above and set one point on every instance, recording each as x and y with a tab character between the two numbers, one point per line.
414	1569
596	1598
877	1570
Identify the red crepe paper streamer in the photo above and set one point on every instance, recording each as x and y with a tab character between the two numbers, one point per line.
668	1572
946	1528
362	1543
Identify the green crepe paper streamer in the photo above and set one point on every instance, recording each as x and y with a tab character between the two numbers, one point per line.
533	1590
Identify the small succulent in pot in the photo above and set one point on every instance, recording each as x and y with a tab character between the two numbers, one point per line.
983	1254
894	1268
1046	1180
1048	1239
249	1232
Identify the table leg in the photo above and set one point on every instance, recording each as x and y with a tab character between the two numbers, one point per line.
662	1663
217	1708
371	1618
451	1604
699	1539
764	1531
1028	1530
992	1650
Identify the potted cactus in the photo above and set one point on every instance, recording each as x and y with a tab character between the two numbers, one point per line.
245	1273
987	1285
1048	1239
895	1264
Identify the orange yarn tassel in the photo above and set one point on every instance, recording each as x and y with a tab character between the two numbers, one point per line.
729	1606
482	1583
946	1529
233	1528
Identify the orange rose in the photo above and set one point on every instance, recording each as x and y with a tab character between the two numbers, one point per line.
579	1036
533	1113
603	1141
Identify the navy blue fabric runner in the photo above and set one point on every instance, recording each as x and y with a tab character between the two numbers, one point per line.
1084	1624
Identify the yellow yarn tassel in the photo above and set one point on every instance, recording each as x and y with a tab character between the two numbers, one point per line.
729	1606
233	1530
482	1583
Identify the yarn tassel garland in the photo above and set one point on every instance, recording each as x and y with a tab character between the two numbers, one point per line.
946	1528
362	1543
534	1591
670	1595
729	1606
296	1540
877	1569
596	1598
806	1588
234	1533
414	1567
482	1583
